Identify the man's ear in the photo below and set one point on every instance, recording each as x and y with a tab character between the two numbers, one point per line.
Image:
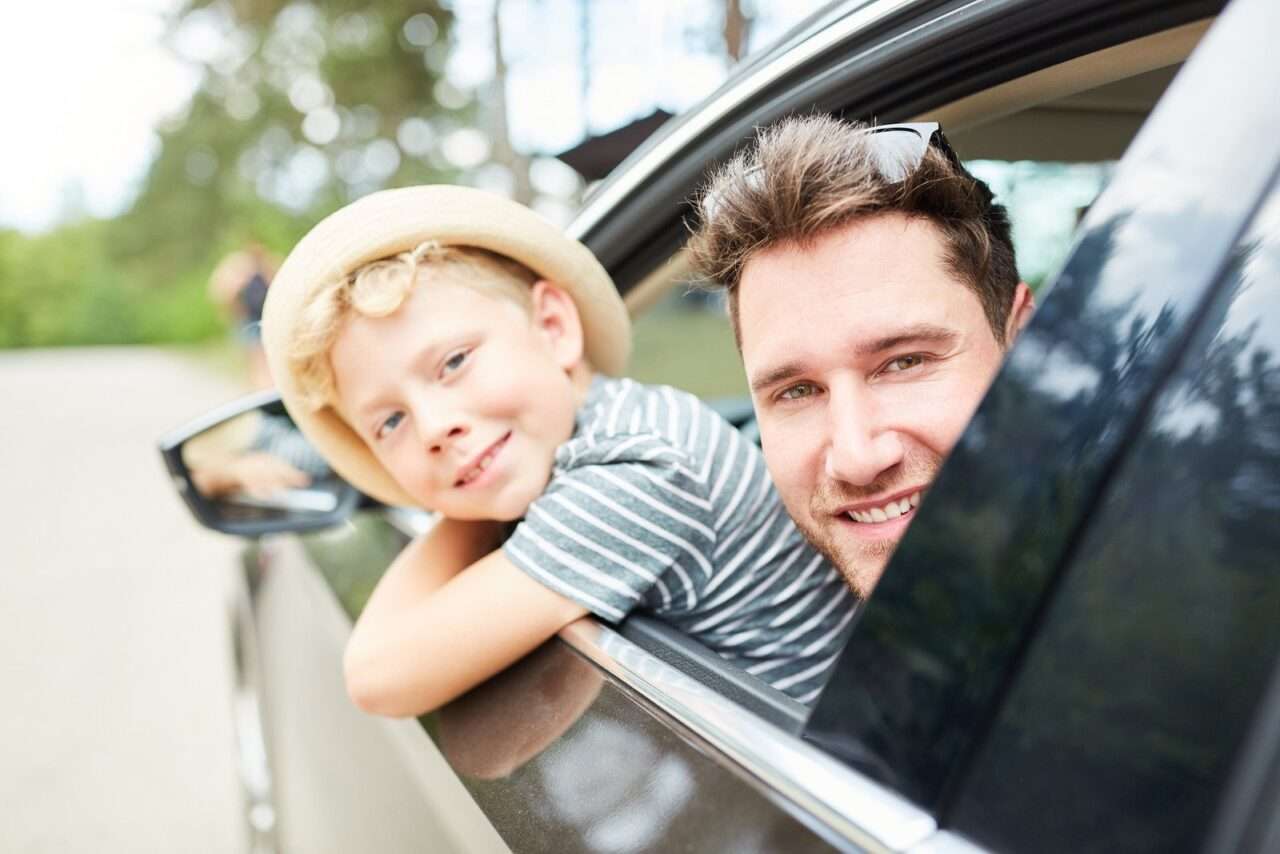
555	315
1024	305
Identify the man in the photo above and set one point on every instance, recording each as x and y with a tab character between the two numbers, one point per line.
873	291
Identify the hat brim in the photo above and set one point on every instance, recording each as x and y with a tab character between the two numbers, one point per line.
389	222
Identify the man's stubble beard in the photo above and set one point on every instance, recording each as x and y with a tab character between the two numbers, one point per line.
861	562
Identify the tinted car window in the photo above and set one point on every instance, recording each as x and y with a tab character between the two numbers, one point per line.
1146	670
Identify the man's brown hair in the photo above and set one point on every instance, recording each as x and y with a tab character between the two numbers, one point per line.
805	176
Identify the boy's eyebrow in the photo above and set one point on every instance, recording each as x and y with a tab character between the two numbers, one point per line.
429	351
919	333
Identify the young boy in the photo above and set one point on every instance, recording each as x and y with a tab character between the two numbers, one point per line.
448	348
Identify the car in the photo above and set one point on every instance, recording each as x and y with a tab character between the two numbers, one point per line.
1076	647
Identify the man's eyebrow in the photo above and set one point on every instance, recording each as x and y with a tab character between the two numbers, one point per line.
919	333
775	375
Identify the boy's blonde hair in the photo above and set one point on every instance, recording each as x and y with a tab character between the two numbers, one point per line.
377	289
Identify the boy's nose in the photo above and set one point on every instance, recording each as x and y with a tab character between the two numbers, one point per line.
438	429
442	439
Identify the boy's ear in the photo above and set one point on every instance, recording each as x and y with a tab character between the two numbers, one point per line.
555	315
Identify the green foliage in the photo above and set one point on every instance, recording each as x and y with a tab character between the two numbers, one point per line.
228	168
63	288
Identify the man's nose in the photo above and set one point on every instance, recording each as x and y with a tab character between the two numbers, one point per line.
862	444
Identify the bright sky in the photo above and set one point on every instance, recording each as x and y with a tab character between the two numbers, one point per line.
82	84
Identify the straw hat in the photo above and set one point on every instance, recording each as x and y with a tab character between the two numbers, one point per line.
393	221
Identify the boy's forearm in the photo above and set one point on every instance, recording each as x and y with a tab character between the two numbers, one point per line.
476	624
427	564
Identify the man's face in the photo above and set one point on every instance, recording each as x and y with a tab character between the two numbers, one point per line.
866	358
463	396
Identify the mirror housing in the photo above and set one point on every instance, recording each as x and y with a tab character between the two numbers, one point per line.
245	469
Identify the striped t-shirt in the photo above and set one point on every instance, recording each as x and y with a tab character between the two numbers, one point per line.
658	503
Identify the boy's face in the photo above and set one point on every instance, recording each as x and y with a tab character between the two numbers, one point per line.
463	396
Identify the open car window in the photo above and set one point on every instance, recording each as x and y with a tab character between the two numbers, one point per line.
682	336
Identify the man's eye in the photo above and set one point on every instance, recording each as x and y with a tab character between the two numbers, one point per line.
904	363
454	361
390	423
798	391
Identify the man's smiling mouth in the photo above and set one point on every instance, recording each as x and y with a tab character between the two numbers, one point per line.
888	510
481	463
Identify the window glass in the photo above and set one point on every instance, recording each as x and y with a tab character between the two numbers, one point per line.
1144	676
1045	202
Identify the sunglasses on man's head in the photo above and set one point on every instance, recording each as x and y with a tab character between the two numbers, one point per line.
898	150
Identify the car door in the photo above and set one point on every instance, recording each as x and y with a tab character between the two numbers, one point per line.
628	740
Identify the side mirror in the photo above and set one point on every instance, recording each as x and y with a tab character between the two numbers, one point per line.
246	469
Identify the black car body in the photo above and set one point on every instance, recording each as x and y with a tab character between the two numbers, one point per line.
1075	647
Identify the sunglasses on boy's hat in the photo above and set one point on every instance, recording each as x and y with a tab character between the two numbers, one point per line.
897	151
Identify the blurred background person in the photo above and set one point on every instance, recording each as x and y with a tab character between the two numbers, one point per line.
238	286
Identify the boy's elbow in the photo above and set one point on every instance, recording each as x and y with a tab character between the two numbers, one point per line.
371	691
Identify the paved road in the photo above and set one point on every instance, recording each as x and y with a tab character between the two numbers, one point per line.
115	725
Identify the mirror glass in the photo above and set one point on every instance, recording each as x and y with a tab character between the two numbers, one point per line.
257	466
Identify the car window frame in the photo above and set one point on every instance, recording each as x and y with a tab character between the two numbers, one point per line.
889	60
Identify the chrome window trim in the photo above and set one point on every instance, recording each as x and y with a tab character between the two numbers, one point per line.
853	809
226	411
946	842
710	112
411	521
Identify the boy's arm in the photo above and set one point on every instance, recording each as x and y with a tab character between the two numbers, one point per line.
424	566
436	632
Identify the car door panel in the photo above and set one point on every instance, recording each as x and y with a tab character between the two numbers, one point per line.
345	781
563	758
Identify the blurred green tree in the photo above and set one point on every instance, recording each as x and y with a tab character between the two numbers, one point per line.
300	107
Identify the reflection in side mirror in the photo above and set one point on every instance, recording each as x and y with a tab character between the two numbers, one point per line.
246	469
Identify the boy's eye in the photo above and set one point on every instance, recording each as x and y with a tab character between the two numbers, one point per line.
798	391
454	361
389	423
904	363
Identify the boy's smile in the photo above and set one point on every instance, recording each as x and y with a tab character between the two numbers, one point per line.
464	396
475	470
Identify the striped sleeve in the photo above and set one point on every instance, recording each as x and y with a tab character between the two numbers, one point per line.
632	520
